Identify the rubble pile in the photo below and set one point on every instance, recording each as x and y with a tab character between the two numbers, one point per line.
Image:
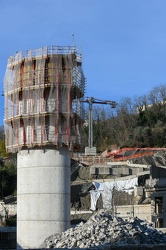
104	229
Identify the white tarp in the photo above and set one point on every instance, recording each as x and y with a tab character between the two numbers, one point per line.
94	194
126	185
105	190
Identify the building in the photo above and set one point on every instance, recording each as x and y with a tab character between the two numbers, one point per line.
155	189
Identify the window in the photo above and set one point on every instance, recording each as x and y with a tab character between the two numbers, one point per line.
159	223
110	171
96	171
158	204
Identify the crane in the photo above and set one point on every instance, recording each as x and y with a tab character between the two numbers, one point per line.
91	101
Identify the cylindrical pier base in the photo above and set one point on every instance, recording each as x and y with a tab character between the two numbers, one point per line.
43	195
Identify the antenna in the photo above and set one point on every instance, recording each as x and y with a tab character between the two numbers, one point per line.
73	42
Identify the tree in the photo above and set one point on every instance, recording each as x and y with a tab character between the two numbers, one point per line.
3	152
8	179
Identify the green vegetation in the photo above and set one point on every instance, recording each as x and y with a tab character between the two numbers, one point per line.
8	171
136	122
8	179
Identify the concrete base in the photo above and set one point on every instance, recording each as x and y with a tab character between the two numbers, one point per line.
43	195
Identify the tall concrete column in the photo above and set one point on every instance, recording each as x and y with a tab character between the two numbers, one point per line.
43	195
42	88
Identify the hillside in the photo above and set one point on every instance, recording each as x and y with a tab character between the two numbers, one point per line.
136	122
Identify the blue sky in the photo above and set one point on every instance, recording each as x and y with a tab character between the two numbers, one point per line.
123	42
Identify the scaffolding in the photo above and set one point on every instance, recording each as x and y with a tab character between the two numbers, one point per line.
42	89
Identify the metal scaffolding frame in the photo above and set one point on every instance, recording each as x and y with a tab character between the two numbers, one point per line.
40	89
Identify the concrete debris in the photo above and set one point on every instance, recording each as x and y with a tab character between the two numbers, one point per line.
104	229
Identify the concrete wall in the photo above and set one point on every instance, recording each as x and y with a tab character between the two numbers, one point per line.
117	170
143	212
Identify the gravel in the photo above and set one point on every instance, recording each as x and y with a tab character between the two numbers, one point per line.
104	229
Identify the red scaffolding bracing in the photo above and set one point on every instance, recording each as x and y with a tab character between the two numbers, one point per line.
40	88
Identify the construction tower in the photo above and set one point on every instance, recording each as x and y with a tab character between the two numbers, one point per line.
42	121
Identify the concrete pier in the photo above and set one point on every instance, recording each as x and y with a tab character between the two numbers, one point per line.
42	121
43	195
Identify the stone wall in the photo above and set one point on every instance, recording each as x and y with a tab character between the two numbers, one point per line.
7	211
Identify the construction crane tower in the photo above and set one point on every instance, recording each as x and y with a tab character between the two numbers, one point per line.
90	150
